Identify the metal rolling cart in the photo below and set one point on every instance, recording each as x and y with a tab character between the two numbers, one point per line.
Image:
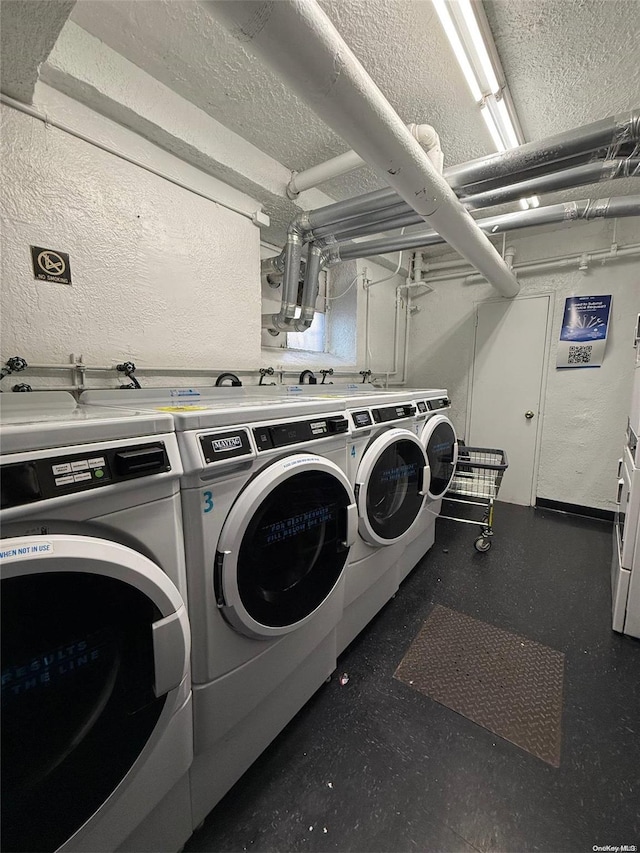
476	483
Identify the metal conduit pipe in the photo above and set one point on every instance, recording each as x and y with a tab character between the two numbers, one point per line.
297	39
605	208
588	173
339	210
289	262
608	133
310	289
401	216
383	204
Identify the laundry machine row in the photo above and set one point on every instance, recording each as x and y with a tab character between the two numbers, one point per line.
401	457
278	496
97	728
269	519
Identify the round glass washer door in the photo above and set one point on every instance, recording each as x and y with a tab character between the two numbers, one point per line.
392	480
94	638
441	445
284	545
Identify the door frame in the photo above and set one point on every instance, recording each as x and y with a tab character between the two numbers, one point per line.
477	303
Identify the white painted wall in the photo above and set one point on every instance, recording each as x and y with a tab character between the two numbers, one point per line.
585	411
160	275
376	351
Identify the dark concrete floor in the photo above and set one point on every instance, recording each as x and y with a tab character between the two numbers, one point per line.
373	765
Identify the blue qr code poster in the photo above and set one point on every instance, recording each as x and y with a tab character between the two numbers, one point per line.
583	335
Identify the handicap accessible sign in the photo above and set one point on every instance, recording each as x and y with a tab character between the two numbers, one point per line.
583	336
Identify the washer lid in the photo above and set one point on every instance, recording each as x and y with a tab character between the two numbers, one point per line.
94	638
441	444
284	545
391	484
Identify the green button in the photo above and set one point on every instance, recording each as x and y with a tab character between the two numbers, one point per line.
98	473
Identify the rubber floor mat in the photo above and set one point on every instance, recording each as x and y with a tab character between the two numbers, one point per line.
502	681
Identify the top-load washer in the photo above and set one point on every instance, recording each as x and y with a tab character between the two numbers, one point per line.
97	727
269	516
438	437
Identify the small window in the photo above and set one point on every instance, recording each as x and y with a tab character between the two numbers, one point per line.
313	340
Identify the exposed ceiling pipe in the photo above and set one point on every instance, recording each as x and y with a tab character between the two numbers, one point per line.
350	161
614	253
562	151
401	216
586	209
297	39
608	133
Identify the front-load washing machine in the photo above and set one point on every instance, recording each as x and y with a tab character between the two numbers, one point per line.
438	437
97	729
269	517
389	470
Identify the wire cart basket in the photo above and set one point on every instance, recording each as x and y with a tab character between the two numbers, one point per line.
476	483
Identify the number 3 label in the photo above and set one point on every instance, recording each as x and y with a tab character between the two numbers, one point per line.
208	502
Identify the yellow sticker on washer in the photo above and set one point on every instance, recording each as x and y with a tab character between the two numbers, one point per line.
181	408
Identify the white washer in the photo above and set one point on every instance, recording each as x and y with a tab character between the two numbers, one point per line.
439	439
96	702
625	568
269	518
396	524
388	468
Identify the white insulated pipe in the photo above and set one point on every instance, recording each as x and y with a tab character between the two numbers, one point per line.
297	40
350	161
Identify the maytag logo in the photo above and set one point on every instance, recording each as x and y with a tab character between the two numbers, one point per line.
222	445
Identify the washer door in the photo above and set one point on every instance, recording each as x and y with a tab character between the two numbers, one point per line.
284	545
94	636
441	444
391	486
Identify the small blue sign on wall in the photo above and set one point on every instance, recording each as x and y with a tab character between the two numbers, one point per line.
583	335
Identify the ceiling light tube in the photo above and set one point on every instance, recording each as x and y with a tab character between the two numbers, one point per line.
478	43
492	128
458	49
534	201
524	204
506	124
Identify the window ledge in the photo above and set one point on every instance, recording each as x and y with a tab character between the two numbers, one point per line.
289	359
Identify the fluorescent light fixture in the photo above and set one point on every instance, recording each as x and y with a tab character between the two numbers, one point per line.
506	124
472	46
492	127
480	48
458	49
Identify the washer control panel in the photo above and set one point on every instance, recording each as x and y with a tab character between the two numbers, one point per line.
284	435
434	405
27	482
393	413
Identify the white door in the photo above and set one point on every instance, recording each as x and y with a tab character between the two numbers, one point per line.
506	388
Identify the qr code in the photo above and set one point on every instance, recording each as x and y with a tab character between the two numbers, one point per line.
580	355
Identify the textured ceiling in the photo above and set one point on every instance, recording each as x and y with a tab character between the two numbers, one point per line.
567	62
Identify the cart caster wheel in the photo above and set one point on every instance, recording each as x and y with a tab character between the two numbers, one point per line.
481	544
